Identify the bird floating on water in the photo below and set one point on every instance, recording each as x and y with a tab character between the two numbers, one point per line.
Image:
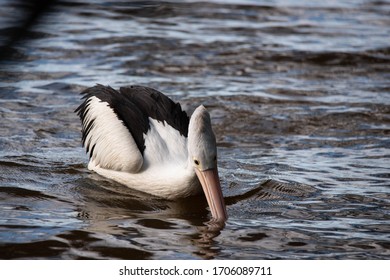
140	138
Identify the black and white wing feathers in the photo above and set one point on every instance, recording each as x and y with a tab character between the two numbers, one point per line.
114	123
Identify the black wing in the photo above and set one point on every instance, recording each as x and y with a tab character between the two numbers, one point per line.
134	105
158	106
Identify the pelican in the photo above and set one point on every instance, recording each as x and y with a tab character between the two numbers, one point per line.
140	138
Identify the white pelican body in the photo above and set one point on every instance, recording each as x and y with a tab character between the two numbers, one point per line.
142	139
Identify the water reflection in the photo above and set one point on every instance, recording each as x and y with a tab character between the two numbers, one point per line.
138	221
298	94
204	240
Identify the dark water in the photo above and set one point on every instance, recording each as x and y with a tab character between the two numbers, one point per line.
299	93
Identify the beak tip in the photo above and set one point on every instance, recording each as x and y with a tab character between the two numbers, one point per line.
209	180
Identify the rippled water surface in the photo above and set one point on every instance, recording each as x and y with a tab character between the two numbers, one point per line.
299	93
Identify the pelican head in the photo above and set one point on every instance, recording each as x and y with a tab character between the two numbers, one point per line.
202	148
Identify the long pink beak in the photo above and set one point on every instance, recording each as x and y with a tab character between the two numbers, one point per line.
209	180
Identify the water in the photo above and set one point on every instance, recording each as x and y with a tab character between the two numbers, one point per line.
299	96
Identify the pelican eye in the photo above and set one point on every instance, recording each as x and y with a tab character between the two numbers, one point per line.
196	162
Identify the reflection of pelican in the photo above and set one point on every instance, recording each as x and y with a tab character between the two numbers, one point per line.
113	211
142	139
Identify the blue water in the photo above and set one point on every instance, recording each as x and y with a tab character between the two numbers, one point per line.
299	95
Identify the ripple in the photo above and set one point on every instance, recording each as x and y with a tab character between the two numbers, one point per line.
298	94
